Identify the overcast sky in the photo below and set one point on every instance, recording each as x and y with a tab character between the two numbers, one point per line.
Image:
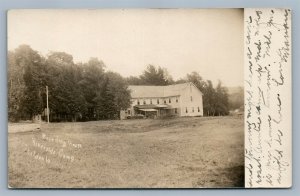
209	41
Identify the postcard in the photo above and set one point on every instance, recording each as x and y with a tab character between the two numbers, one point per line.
149	98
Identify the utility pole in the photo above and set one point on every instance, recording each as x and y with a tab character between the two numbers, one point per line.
47	105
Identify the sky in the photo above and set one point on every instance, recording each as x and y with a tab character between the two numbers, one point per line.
208	41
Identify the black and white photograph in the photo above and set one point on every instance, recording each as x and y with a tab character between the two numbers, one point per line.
125	98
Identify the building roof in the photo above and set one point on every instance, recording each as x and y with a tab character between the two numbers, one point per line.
157	91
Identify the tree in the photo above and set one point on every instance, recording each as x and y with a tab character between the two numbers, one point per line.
76	91
221	105
105	102
168	77
113	98
180	81
31	64
16	87
215	100
133	80
118	87
209	100
197	80
236	98
91	84
154	76
66	98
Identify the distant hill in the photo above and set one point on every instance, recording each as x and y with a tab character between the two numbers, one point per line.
236	98
234	89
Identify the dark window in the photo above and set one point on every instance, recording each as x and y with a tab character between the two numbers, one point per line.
169	100
186	111
193	109
138	102
150	101
128	112
191	98
176	100
165	101
157	101
175	110
198	109
144	102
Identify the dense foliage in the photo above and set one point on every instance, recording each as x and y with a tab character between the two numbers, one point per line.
85	91
152	76
77	92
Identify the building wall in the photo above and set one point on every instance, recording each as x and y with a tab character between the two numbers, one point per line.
160	100
134	101
191	100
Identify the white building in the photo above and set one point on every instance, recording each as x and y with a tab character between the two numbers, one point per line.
173	100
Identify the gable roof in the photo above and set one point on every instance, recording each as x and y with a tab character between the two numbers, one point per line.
157	91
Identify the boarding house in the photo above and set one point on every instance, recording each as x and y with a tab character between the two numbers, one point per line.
160	101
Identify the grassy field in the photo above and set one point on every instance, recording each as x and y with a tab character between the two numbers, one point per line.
172	153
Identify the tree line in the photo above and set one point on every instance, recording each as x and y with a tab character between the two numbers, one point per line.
86	91
77	92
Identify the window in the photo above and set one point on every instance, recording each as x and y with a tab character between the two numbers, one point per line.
193	109
157	101
176	99
150	101
198	109
191	98
128	112
186	111
138	102
175	110
165	101
169	100
144	102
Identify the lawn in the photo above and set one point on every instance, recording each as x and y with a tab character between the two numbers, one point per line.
186	152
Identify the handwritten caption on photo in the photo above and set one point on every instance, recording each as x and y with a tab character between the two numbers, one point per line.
51	150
